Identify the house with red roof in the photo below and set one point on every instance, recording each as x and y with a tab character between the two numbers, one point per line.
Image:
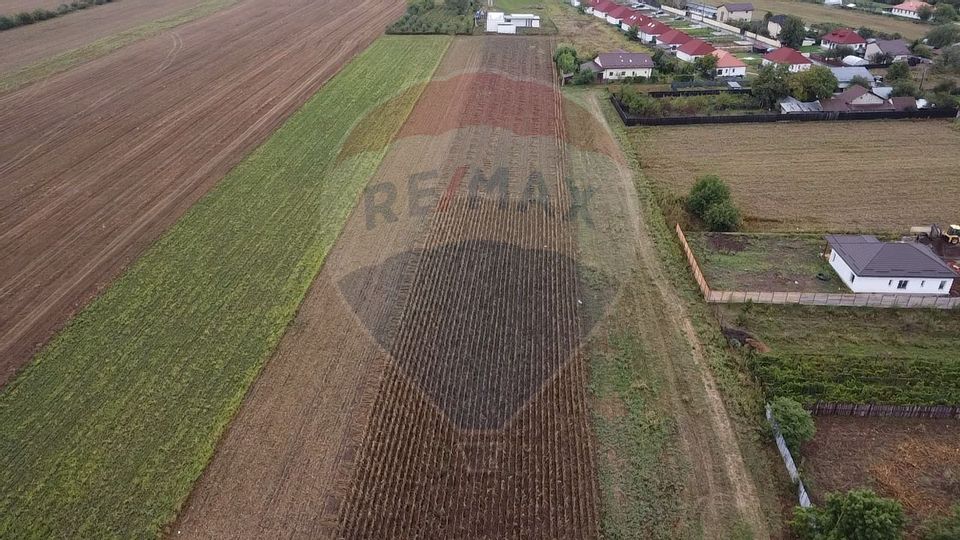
600	8
672	39
785	56
843	37
634	19
729	65
909	9
651	29
693	49
617	14
858	98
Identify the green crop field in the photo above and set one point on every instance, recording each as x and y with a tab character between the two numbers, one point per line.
107	430
855	355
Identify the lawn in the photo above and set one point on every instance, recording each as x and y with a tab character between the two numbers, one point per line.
104	434
588	34
817	12
866	176
854	355
752	262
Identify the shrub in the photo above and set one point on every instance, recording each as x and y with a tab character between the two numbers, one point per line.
943	35
898	70
25	18
708	191
41	14
722	217
584	77
7	23
796	424
947	528
855	515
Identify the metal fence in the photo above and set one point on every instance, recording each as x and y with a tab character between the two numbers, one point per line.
896	411
802	495
631	119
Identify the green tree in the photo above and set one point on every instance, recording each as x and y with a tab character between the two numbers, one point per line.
706	66
925	12
949	60
945	528
722	217
771	85
842	51
860	80
584	76
706	192
904	87
796	423
897	71
881	58
943	35
815	83
792	32
855	515
945	13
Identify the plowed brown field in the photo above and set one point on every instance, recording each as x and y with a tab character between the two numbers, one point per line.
432	384
98	161
38	41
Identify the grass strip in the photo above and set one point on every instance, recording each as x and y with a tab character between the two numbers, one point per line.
104	434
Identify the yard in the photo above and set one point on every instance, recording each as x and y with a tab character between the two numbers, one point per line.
870	176
852	355
915	461
816	12
755	262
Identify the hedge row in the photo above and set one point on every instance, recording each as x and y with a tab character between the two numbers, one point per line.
893	380
41	14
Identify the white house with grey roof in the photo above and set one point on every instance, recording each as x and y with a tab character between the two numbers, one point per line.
867	265
621	64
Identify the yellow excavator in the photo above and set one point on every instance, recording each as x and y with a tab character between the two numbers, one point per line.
933	232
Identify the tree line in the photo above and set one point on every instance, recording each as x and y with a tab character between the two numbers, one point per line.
25	18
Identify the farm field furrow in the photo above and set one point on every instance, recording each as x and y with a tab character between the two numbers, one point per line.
98	161
48	38
872	176
434	369
106	433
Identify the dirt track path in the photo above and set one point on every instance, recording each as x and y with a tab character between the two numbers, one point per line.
98	161
706	434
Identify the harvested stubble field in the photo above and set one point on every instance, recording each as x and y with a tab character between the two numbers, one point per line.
107	431
816	176
98	161
913	460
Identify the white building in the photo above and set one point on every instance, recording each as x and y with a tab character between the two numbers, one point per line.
909	9
741	11
620	65
867	265
507	23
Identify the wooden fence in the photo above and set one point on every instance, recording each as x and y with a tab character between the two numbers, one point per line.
878	300
898	411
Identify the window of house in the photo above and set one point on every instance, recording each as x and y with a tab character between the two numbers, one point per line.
852	277
943	285
902	284
923	282
890	283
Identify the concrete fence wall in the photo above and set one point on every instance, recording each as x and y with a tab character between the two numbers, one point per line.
879	300
788	460
897	411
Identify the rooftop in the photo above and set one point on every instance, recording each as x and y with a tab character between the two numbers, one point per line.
844	36
674	37
786	55
911	5
697	47
738	6
869	257
727	60
894	47
622	60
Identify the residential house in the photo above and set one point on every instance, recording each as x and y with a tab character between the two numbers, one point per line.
792	105
896	49
672	39
775	25
729	65
846	74
705	10
507	23
740	11
841	37
650	30
786	56
600	8
635	19
859	99
693	49
617	65
617	14
867	265
909	9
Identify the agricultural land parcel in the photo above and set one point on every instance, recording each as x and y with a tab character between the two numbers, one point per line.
106	432
142	134
913	460
854	355
58	44
873	176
